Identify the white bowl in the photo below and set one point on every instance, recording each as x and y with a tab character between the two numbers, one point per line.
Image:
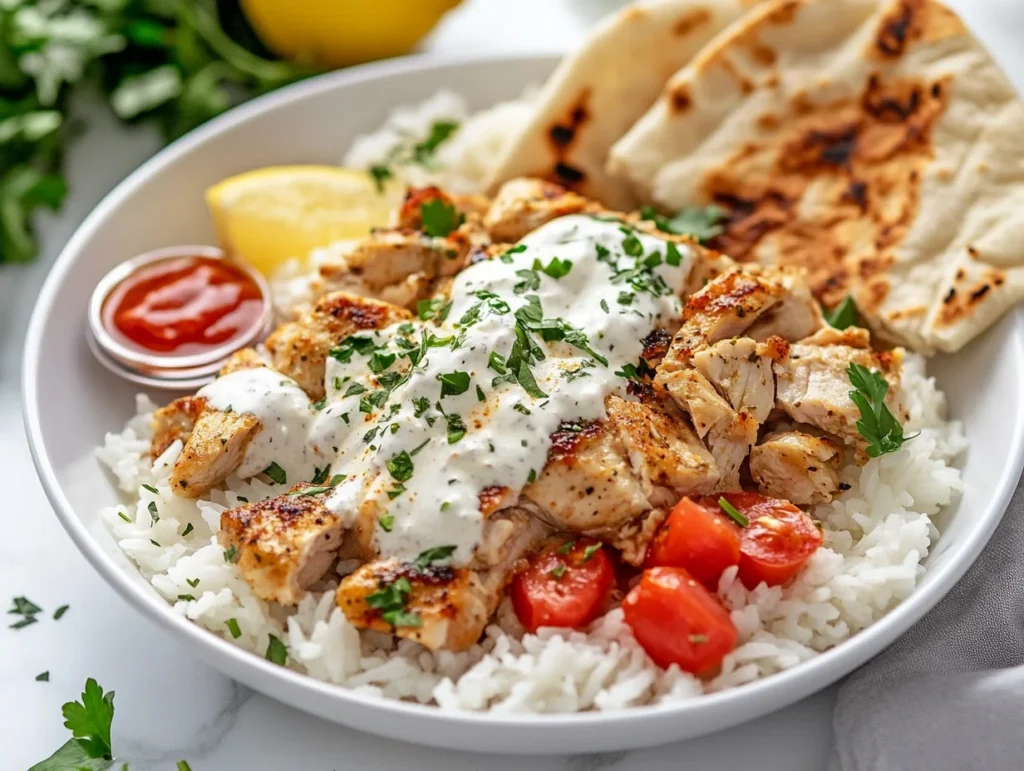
70	401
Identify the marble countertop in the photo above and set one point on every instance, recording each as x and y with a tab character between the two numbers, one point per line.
170	707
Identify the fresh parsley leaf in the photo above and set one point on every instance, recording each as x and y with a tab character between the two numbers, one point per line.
320	475
428	557
57	614
702	223
559	571
734	513
440	131
89	720
387	522
43	677
590	551
402	618
439	218
844	314
456	428
380	174
877	424
276	473
453	383
230	554
400	466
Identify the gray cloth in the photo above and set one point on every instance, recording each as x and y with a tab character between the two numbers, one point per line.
949	694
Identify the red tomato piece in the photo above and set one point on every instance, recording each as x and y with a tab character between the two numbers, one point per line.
777	542
677	621
565	586
698	537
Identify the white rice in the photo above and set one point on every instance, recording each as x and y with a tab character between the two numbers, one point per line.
876	534
461	164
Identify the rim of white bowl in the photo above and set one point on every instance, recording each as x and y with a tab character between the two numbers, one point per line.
725	708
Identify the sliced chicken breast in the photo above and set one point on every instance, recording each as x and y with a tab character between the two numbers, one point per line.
443	607
214	448
802	468
613	479
284	545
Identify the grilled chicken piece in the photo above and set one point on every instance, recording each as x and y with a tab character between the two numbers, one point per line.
796	315
740	373
812	386
612	479
797	466
283	545
174	422
214	448
523	205
299	349
246	358
410	214
453	604
724	308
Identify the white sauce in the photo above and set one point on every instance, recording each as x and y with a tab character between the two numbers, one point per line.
507	434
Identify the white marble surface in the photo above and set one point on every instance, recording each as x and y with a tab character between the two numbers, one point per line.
170	707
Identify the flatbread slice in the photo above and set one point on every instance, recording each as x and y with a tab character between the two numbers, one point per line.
599	91
877	144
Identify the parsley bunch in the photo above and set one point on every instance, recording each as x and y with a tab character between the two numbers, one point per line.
172	62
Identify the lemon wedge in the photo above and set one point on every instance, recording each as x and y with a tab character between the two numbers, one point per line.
270	215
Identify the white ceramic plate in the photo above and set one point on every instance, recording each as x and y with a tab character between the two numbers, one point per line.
70	401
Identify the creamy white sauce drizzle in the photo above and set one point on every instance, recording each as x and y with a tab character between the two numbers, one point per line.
506	439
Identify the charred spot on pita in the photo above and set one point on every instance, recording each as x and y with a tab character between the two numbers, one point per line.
569	174
690	21
857	193
897	29
679	99
562	135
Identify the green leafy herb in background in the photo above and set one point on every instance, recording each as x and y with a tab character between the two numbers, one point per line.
701	223
171	62
89	722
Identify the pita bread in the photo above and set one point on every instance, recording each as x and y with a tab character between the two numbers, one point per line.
877	144
599	91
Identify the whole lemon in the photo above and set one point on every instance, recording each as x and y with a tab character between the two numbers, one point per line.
336	33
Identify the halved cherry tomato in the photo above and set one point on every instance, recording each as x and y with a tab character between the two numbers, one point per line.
699	537
778	541
678	621
564	586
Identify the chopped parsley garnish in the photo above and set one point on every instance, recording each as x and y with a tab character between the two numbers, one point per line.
435	308
604	306
430	556
230	554
395	491
590	551
529	281
844	314
391	600
556	268
350	345
57	614
559	571
877	424
400	466
186	598
577	372
702	223
193	582
631	246
381	361
440	131
637	371
734	513
277	651
232	625
370	435
480	396
507	256
439	217
453	383
496	362
421	405
532	477
154	515
566	547
276	473
355	389
387	522
456	428
380	174
188	529
672	255
320	475
319	404
151	489
520	407
123	516
373	400
43	677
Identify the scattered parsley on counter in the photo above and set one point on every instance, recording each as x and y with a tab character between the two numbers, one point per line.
89	722
24	607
